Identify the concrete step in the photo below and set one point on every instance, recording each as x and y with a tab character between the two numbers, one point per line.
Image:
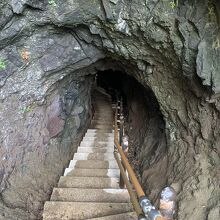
95	150
98	139
93	164
90	195
102	130
102	117
96	130
92	172
96	143
99	122
93	156
88	182
102	120
92	142
98	134
102	127
82	210
124	216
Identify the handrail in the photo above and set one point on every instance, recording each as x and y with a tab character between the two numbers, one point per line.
133	196
148	209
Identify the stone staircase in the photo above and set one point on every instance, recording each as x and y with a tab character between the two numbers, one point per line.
89	188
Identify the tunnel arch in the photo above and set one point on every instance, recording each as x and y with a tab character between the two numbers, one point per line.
48	61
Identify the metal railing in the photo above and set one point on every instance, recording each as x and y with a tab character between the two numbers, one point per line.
141	204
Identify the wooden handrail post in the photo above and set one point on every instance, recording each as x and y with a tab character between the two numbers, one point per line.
121	181
121	119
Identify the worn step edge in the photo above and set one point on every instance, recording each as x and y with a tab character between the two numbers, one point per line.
82	210
94	153
98	137
91	164
94	134
93	156
88	182
91	143
92	172
90	195
95	150
123	216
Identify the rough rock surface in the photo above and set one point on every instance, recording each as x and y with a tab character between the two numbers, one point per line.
49	48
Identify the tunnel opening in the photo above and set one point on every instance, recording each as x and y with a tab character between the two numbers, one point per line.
145	126
50	52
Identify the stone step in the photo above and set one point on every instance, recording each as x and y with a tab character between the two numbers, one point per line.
91	130
82	210
100	122
102	117
95	150
96	130
124	216
90	195
88	182
96	143
92	172
102	130
91	142
93	156
101	138
109	147
93	164
97	134
102	126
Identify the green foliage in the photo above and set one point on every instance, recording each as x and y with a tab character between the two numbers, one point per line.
174	3
2	64
26	109
52	3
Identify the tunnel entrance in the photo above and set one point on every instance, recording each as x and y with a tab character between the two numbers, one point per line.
112	81
144	125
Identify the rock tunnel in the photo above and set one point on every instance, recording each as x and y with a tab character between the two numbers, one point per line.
144	124
162	57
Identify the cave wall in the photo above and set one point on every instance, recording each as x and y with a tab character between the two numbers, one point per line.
37	144
145	127
43	43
